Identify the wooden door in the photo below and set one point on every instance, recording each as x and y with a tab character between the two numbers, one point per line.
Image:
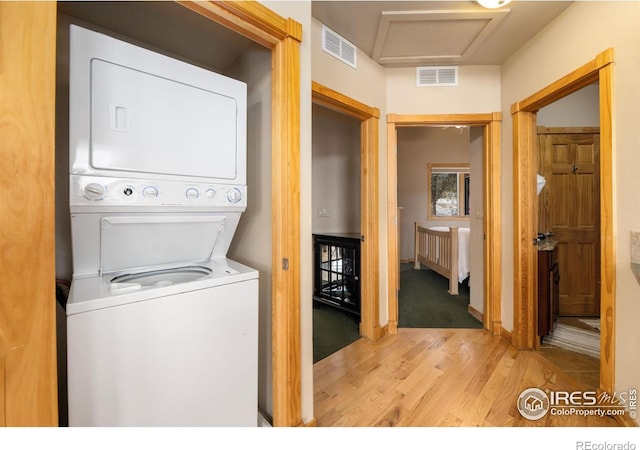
28	384
569	207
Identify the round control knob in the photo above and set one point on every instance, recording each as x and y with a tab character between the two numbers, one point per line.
210	193
94	191
150	192
128	191
192	193
234	195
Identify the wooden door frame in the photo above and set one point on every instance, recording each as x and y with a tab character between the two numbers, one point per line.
526	211
492	279
369	255
28	365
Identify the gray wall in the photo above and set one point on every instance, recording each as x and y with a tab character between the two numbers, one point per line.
335	172
252	242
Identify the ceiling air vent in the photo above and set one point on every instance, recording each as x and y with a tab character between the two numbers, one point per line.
437	76
337	46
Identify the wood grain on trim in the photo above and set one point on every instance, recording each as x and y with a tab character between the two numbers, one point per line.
27	220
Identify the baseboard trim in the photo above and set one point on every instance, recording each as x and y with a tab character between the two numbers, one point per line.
405	261
311	423
475	313
506	335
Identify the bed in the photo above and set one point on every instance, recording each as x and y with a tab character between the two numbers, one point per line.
444	250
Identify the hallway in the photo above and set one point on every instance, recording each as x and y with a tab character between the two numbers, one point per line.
436	377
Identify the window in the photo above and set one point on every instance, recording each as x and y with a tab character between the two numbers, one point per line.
448	191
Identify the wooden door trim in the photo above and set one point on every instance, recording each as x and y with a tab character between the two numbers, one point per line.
568	130
370	253
28	396
3	396
282	36
491	122
525	207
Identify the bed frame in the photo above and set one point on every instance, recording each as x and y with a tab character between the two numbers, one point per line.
438	250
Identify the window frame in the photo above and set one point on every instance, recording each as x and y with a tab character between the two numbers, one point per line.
459	169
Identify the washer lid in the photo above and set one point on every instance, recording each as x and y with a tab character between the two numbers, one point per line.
134	242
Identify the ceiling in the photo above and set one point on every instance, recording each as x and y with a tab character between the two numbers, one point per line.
162	26
393	33
415	33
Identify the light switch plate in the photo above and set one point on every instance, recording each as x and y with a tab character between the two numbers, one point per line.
324	212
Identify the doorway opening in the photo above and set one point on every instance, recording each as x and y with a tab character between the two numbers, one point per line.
440	206
369	248
491	278
525	331
336	230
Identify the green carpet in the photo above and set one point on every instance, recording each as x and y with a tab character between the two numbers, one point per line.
332	330
423	301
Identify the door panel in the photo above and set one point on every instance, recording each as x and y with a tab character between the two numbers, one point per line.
28	384
569	208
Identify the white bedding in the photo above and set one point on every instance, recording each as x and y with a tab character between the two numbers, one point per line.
464	257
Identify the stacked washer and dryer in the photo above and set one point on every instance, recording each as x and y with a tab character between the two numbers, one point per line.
162	328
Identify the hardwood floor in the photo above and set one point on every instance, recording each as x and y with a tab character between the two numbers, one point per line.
436	377
584	369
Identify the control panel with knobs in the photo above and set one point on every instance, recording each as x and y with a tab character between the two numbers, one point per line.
103	191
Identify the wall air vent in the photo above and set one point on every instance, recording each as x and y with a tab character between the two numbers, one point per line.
437	76
337	46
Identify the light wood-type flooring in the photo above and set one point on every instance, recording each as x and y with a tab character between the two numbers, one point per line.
436	377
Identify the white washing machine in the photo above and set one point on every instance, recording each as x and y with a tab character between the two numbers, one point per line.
162	328
179	350
155	342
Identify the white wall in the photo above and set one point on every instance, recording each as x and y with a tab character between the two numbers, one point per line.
584	30
417	147
580	109
478	91
336	172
